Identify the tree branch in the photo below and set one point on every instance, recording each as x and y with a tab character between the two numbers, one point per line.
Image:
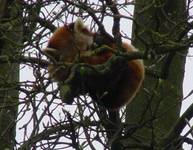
53	130
91	12
176	130
22	59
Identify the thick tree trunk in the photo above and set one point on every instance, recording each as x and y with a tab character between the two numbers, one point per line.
10	43
157	106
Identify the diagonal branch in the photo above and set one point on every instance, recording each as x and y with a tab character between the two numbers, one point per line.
178	127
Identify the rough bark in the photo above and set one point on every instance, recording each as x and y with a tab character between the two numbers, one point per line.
10	43
157	107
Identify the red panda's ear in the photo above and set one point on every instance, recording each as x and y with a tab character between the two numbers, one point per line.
76	26
79	25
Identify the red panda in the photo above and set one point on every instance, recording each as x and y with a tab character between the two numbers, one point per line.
69	40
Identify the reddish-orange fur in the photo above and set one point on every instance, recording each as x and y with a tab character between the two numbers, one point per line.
129	83
61	40
64	47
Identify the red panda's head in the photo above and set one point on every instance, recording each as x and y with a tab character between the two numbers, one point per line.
67	40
